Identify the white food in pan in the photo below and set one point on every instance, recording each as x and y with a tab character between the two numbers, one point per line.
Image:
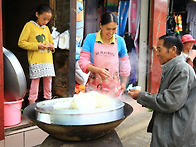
86	101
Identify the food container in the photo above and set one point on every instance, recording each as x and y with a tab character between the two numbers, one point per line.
47	113
76	132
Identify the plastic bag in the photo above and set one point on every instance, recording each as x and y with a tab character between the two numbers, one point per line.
64	40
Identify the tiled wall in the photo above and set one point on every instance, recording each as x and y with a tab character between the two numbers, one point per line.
27	137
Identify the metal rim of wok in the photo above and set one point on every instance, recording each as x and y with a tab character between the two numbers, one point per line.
45	113
41	107
75	132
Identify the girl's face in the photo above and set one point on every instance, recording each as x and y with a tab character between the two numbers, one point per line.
108	30
44	18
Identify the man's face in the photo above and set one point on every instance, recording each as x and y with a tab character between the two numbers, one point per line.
163	54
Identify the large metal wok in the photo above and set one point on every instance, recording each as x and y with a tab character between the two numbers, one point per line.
14	77
49	111
76	132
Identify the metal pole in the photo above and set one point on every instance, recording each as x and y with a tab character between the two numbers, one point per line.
171	9
72	48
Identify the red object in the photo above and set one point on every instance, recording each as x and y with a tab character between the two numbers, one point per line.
133	17
12	112
79	88
187	38
158	10
1	79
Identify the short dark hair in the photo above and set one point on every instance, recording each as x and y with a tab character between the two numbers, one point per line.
172	40
108	17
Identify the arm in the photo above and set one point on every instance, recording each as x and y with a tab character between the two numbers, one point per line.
171	98
189	61
85	54
23	41
190	58
124	83
134	93
86	65
125	67
102	72
86	60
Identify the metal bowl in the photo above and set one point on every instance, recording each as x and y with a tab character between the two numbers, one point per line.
14	78
47	113
76	132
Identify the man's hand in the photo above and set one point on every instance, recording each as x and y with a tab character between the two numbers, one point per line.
134	93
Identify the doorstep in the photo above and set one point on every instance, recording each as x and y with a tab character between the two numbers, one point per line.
25	134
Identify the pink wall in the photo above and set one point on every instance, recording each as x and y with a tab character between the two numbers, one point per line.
157	28
1	79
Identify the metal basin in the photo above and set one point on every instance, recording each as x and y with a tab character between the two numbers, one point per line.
47	113
76	132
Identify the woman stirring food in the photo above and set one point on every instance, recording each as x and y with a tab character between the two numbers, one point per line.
103	55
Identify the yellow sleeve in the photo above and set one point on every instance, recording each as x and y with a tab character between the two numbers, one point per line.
50	39
24	42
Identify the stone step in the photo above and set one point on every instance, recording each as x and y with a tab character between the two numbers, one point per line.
132	131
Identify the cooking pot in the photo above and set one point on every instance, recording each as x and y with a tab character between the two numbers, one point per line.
14	77
47	112
76	132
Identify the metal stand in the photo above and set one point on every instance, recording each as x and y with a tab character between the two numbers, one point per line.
109	140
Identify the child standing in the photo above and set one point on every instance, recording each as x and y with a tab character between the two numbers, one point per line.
37	40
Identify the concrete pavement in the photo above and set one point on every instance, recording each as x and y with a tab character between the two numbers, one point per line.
132	131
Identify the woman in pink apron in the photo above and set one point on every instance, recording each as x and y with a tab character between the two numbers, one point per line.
104	55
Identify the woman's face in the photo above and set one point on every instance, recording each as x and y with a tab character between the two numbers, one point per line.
44	18
188	45
108	30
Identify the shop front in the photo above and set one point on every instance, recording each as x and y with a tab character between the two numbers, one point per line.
150	24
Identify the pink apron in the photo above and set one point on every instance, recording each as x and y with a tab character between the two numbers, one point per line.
105	56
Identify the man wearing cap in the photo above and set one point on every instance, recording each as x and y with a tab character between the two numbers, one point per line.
187	52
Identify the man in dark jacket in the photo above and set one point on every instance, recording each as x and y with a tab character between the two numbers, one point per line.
173	123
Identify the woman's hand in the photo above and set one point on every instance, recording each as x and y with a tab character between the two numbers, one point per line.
189	60
123	87
123	84
104	73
